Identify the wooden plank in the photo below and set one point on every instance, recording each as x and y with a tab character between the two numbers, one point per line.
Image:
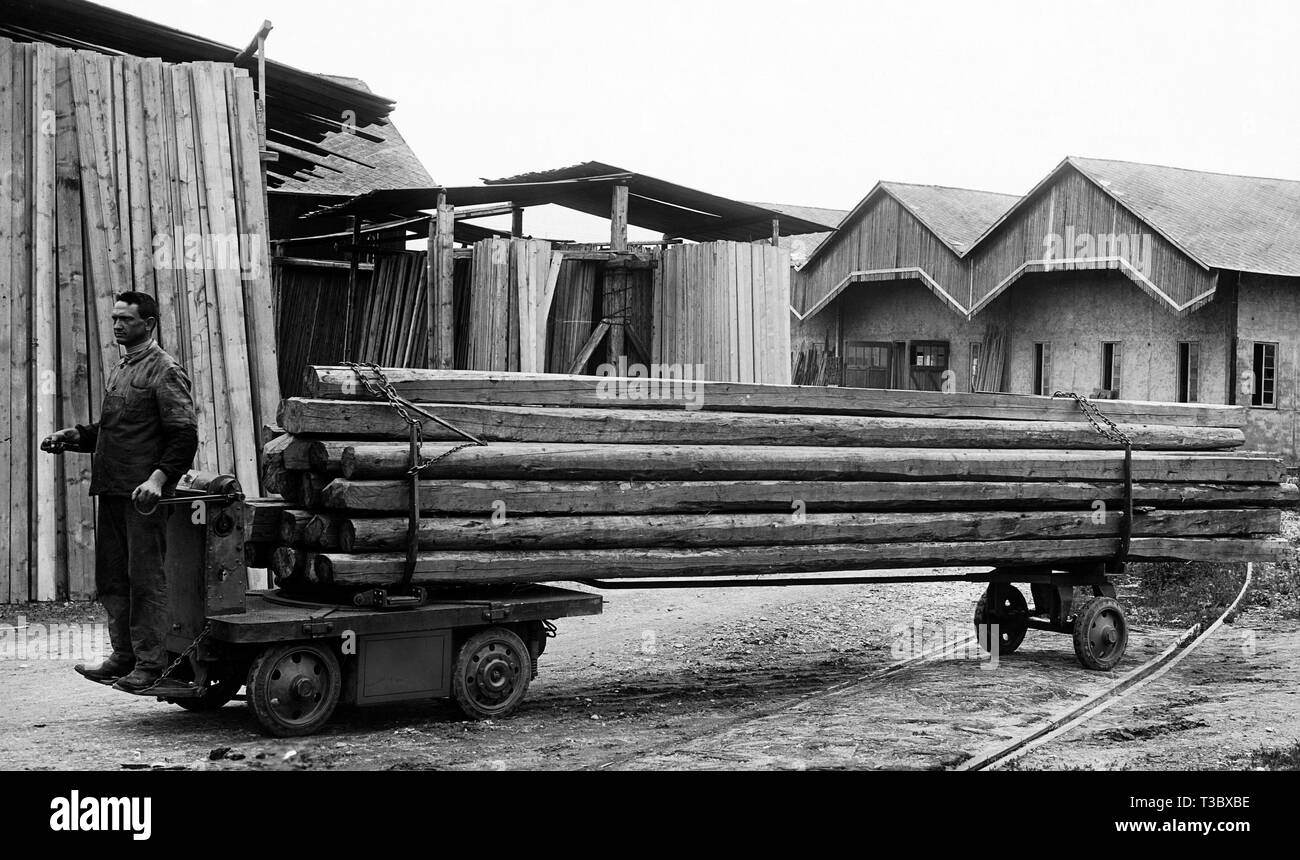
432	386
213	144
375	419
762	349
254	241
517	298
521	497
780	529
136	182
725	462
112	79
162	251
73	347
618	219
745	345
20	321
9	97
207	376
780	278
478	567
442	324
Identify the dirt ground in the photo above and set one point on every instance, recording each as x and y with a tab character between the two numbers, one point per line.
724	679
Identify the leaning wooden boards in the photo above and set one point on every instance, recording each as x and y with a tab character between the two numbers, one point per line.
121	174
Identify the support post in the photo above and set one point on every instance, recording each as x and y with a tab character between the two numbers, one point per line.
776	232
353	271
517	222
618	220
442	272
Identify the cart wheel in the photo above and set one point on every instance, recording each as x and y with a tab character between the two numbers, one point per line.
223	685
1002	604
491	674
1100	634
293	688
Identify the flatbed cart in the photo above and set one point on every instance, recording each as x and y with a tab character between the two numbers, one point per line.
1096	624
299	658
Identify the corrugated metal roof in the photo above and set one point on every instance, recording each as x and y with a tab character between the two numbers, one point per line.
299	105
1242	223
652	203
388	163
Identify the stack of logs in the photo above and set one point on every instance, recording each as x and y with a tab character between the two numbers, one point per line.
586	478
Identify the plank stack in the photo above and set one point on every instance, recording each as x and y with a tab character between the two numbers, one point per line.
585	478
116	174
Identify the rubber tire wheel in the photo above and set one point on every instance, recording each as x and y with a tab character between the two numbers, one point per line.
1090	655
266	673
506	651
227	679
1009	638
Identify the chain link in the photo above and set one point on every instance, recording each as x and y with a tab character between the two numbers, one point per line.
203	634
385	390
1097	418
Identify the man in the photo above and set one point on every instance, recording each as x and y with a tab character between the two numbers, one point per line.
144	442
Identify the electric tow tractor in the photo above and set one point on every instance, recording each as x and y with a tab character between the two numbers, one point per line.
300	657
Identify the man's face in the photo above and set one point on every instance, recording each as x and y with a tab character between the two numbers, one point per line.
128	328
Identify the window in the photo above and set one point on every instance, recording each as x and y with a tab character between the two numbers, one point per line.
1043	369
1111	354
1265	389
1189	372
866	364
928	360
974	363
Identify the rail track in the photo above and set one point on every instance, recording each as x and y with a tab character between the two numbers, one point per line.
990	759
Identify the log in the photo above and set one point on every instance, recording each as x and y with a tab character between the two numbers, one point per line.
789	529
297	455
499	567
650	427
291	487
322	531
288	564
262	520
724	462
292	525
515	497
500	389
312	485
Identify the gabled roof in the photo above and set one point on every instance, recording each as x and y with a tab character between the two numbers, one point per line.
1241	223
801	246
957	216
384	164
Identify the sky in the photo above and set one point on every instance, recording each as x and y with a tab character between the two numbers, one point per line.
807	103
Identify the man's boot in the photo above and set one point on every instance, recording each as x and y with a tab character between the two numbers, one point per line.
116	666
139	681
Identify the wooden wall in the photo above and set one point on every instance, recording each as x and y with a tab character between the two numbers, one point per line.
884	238
725	306
1072	204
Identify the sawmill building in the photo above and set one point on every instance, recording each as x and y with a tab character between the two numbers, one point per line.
1110	279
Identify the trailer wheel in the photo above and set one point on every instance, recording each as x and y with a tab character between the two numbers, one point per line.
1002	604
1100	634
491	674
294	688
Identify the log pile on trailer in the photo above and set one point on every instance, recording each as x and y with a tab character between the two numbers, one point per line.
583	478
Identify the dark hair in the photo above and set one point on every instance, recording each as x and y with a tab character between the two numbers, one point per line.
147	304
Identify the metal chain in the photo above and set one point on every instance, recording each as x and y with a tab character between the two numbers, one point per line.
203	634
1097	418
384	389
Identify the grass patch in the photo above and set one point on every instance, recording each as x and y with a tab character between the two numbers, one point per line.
1281	758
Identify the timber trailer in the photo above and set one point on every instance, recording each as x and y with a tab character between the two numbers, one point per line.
300	656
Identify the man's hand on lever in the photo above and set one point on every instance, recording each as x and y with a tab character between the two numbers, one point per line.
147	495
56	442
